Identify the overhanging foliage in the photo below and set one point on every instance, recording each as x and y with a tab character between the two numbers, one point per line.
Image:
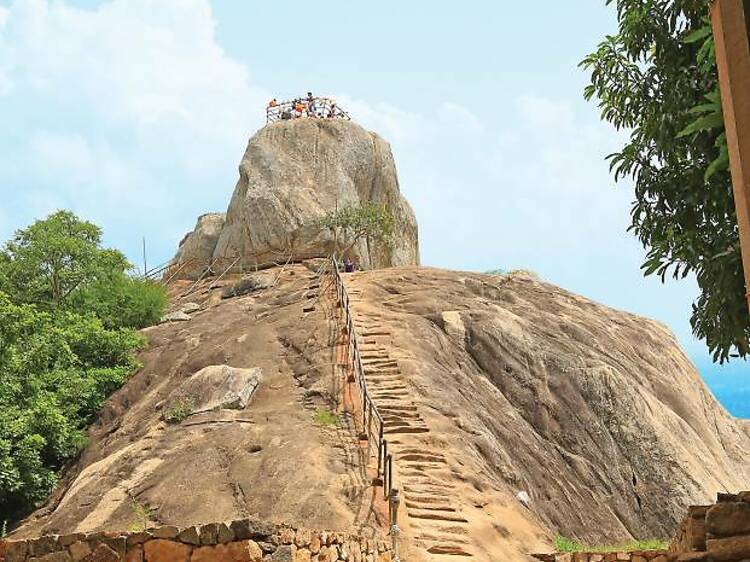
656	78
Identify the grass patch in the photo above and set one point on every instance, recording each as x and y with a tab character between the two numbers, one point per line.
326	417
179	410
564	544
141	518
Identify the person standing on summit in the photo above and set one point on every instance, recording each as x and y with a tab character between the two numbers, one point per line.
311	109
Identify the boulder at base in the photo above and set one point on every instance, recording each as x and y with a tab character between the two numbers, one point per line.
293	173
217	387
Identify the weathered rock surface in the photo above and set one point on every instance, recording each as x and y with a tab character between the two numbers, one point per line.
248	284
217	387
176	316
199	244
268	460
595	413
293	173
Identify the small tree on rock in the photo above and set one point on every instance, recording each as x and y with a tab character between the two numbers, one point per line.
349	225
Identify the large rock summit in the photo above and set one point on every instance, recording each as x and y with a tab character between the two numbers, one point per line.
293	173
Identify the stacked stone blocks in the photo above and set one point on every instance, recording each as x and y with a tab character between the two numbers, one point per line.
245	540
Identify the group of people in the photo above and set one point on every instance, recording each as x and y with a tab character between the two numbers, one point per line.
309	106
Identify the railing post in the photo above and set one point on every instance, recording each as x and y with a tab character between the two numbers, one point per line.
380	449
369	423
393	502
385	463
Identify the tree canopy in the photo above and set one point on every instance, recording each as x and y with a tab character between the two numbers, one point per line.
656	79
58	262
56	370
68	310
349	225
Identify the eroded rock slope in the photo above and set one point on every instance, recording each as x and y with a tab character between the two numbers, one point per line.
190	440
521	386
490	386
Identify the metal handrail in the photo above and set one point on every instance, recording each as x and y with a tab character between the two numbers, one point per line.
369	408
155	271
198	266
319	108
223	273
206	271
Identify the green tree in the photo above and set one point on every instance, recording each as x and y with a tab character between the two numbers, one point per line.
58	262
50	259
67	309
56	370
656	79
122	301
349	225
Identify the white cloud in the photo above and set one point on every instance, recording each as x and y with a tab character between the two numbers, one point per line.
132	115
390	122
526	188
130	112
457	116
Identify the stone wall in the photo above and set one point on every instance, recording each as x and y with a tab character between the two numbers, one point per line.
245	540
715	533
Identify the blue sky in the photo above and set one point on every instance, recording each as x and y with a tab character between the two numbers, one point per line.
135	113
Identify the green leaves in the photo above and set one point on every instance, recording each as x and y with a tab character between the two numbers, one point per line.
700	34
58	263
656	79
50	258
351	224
56	370
703	123
66	344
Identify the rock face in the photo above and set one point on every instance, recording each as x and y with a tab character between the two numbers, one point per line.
217	387
515	411
242	446
294	172
596	413
199	244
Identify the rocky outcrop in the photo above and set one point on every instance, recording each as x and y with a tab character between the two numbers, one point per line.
215	387
196	435
199	244
515	410
520	386
293	173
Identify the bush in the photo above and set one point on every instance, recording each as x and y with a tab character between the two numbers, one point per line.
496	272
123	301
179	410
56	370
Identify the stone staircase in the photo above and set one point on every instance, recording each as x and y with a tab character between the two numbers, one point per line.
426	480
